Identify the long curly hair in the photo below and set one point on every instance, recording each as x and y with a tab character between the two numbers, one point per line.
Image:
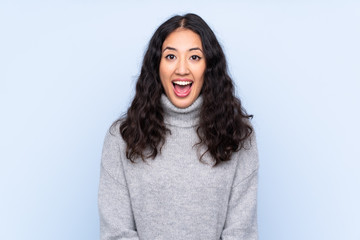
223	125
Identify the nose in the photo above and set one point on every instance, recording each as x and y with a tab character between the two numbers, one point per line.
182	67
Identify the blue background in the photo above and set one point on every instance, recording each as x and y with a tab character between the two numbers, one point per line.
68	70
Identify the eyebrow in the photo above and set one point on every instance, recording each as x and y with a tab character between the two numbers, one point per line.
191	49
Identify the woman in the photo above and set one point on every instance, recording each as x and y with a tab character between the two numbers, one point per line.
183	163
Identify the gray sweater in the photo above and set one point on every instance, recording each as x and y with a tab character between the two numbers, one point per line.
175	196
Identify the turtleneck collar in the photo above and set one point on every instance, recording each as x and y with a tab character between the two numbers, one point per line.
181	117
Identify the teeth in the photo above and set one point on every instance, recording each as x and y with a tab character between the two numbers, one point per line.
182	83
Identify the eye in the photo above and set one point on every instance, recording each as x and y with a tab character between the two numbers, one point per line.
170	56
195	57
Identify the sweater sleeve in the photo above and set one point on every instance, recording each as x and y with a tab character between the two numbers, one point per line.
241	219
116	216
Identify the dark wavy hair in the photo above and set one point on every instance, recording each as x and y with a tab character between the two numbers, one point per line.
223	126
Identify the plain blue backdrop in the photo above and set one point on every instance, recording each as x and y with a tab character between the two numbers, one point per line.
68	70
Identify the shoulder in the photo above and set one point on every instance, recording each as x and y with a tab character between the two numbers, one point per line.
113	134
113	147
247	158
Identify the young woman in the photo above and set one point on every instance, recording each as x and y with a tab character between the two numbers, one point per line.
182	163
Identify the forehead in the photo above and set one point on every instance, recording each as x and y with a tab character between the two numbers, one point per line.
182	39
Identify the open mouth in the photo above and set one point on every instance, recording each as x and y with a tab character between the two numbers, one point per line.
182	88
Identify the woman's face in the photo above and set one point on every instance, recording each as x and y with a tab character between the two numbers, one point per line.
182	67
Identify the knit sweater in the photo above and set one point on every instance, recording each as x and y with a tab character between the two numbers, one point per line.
175	196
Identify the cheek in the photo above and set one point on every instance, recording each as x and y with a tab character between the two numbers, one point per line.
201	72
163	72
164	77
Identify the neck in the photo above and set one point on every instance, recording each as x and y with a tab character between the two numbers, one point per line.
181	117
